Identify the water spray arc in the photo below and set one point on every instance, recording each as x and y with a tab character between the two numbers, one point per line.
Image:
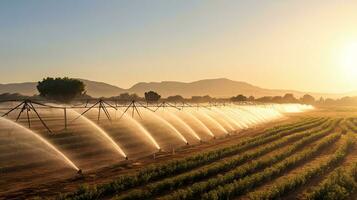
194	118
191	131
242	122
101	105
145	132
212	121
228	118
164	121
104	134
223	120
45	142
190	119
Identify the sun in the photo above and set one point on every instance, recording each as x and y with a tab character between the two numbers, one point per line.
348	60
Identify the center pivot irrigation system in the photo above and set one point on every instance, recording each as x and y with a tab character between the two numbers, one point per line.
27	106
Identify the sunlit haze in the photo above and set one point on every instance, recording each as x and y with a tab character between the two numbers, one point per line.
301	45
178	99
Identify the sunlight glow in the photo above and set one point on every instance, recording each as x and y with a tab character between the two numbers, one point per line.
348	60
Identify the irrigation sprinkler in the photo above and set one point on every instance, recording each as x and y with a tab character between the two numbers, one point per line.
27	106
80	174
173	150
186	105
86	103
134	109
102	105
65	118
164	105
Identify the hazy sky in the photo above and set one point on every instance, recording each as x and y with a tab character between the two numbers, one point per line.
304	45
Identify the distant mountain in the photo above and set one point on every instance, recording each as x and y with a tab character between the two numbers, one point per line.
214	87
28	88
100	89
221	87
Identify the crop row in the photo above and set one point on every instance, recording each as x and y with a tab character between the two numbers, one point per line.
291	183
340	184
343	126
351	125
241	186
199	188
219	167
212	156
306	123
155	172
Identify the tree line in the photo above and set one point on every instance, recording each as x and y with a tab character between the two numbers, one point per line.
68	89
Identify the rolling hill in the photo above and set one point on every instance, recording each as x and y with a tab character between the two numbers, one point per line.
221	87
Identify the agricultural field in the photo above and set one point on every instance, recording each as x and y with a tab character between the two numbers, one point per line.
178	100
310	155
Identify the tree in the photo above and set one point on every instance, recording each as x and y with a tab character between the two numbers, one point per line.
329	101
239	98
124	96
61	89
135	97
308	99
265	99
251	98
289	98
201	99
277	99
175	98
152	96
321	100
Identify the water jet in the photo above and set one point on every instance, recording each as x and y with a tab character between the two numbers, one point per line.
105	135
42	140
